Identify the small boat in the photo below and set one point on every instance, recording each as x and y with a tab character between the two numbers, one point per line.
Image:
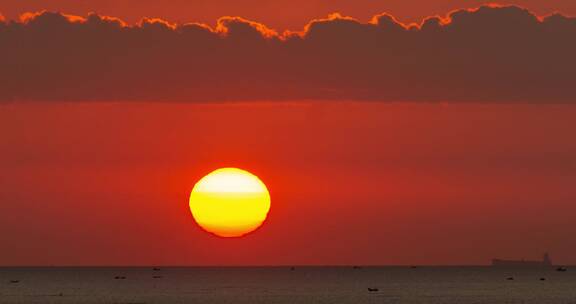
373	289
561	269
14	281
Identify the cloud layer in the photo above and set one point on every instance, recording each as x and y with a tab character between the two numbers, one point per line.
490	54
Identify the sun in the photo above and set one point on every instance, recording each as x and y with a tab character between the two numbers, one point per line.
230	202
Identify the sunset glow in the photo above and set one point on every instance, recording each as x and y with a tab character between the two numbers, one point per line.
389	132
230	202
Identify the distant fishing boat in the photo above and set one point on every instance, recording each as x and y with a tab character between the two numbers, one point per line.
546	261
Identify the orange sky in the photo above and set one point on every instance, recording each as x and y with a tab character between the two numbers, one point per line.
351	183
280	14
451	146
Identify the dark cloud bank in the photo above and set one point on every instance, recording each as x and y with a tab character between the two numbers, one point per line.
492	54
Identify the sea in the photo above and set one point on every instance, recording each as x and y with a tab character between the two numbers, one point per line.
140	285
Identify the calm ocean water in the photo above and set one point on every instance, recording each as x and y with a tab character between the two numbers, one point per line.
284	285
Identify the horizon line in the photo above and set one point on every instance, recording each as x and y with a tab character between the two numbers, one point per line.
279	266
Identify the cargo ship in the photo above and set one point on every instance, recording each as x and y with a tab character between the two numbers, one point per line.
546	261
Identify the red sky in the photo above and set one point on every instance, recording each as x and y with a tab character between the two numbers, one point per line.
450	144
351	183
280	14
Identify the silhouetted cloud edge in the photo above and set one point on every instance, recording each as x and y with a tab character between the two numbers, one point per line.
337	57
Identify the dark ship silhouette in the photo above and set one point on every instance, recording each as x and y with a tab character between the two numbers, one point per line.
546	261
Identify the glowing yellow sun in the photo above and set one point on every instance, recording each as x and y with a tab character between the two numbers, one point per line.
230	202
